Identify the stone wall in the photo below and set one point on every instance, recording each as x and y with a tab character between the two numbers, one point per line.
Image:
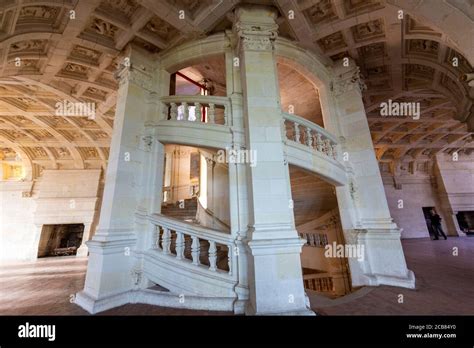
58	197
449	187
16	220
415	195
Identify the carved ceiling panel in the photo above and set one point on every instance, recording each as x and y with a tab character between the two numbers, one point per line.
49	57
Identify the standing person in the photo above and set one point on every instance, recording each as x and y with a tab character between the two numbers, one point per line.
436	223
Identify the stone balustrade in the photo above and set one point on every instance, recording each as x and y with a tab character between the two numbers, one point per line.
302	131
187	243
318	282
204	109
315	239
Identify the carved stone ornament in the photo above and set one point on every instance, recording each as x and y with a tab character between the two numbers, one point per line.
147	141
136	75
348	81
256	37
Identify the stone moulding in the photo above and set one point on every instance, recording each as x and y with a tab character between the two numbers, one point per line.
156	298
192	52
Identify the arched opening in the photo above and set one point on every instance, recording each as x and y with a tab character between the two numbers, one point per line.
317	221
298	95
197	80
196	186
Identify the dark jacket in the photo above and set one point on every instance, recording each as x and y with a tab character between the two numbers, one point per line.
435	219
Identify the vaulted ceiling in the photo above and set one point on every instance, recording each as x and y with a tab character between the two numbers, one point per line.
57	50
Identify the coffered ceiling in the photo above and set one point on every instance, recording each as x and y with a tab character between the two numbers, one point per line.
72	56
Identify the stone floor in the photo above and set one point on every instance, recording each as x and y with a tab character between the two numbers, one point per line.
46	287
445	285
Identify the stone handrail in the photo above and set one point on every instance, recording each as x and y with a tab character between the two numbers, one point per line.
203	104
193	244
206	217
310	134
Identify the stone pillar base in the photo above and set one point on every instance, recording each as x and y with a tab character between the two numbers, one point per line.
278	282
383	261
249	310
83	251
109	270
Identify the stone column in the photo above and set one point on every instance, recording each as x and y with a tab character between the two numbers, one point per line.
275	278
109	277
456	224
238	197
452	224
365	215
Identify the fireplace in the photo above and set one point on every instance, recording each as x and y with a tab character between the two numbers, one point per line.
60	240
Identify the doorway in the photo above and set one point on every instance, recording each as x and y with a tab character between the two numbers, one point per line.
427	215
60	240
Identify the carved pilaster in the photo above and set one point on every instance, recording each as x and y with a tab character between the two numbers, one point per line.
348	80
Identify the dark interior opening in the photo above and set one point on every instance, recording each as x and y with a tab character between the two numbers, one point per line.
60	240
466	221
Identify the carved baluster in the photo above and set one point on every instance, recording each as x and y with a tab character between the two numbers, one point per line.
212	256
197	112
229	258
195	250
174	111
327	147
334	151
185	111
319	143
308	137
211	113
179	245
297	132
226	115
166	240
156	237
164	111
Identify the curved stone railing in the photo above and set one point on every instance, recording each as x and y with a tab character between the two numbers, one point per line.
187	258
302	131
203	109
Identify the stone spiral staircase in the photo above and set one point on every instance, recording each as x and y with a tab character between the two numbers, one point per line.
187	212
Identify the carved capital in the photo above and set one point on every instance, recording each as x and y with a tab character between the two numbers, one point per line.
256	28
256	38
348	81
147	142
136	75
